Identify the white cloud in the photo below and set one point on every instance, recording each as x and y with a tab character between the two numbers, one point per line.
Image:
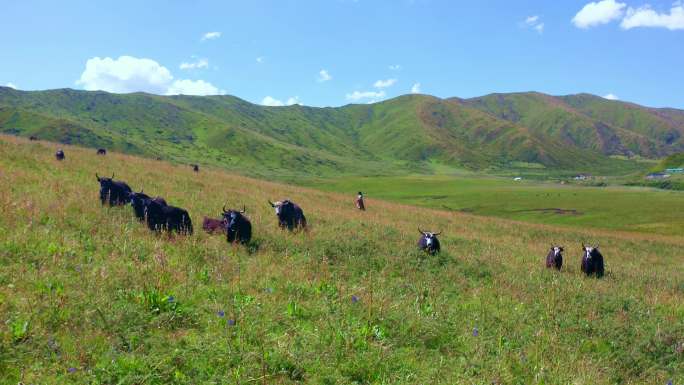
211	36
646	17
533	22
130	74
323	76
416	88
384	83
197	64
395	67
11	85
193	87
611	97
596	13
359	95
273	102
260	59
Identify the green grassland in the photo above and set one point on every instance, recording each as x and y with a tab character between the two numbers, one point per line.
619	208
88	295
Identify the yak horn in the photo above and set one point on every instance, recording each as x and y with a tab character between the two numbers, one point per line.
438	233
421	231
97	176
112	175
244	209
224	209
271	203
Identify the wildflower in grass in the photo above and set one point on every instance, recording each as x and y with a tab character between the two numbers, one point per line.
669	382
172	298
71	370
354	299
268	290
476	332
231	322
220	313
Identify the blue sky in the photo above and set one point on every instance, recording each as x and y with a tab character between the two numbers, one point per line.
275	51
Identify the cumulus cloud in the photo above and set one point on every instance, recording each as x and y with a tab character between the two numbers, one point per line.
416	88
533	22
395	67
197	64
130	74
384	83
211	36
611	97
323	76
596	13
11	85
273	102
645	16
360	95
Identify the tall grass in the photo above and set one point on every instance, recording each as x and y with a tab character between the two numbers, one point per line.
88	295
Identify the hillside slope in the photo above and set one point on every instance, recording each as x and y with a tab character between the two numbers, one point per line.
407	134
88	295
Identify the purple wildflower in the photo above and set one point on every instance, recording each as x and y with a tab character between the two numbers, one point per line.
172	298
231	322
71	370
269	290
354	299
221	313
669	382
476	332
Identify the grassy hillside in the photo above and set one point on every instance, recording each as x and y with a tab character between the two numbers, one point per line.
87	295
408	134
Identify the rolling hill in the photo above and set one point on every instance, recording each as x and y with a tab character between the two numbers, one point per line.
89	296
407	134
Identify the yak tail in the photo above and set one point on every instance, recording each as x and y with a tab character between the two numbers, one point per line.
188	226
302	222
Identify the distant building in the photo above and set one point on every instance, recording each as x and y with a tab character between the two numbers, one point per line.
517	178
657	175
678	170
581	177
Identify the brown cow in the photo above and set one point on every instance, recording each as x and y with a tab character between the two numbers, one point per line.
211	225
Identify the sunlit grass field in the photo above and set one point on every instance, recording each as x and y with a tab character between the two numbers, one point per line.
635	209
88	295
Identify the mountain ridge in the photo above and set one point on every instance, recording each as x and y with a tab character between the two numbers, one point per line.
406	134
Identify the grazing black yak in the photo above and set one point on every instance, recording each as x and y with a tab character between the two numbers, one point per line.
33	137
139	202
592	261
359	202
428	241
555	257
168	218
59	155
195	168
211	225
114	192
101	151
238	227
289	214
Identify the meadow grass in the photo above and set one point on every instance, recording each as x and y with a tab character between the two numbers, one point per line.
636	209
89	295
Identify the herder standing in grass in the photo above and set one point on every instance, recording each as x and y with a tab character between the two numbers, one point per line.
359	202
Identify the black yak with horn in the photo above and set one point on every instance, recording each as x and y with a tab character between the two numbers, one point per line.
429	242
289	214
555	257
139	202
592	261
238	227
114	192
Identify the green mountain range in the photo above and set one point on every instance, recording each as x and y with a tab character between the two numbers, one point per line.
407	134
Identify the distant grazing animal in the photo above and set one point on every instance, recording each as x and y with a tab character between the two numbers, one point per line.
168	218
139	202
101	151
195	168
428	241
359	202
289	214
555	257
592	261
33	137
238	227
59	155
114	192
211	225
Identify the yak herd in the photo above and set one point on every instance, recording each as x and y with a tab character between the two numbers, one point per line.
160	216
